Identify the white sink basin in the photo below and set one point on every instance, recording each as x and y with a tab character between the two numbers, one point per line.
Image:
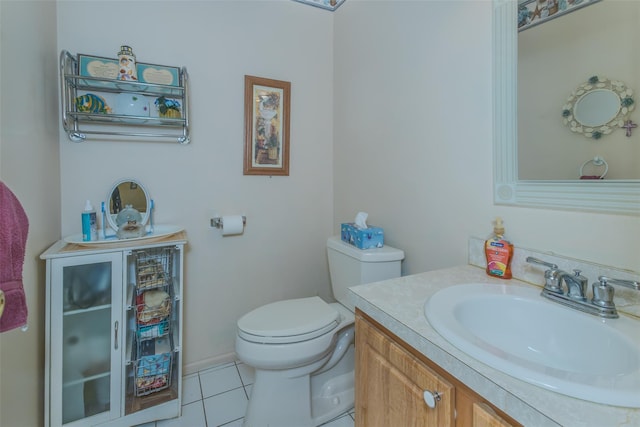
513	329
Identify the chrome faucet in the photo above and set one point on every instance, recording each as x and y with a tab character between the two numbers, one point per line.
576	285
601	303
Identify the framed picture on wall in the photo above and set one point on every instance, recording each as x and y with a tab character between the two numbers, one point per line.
266	118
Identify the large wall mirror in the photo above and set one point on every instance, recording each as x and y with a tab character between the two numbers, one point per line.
595	59
519	184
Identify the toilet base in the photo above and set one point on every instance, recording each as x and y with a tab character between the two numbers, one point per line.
302	400
337	398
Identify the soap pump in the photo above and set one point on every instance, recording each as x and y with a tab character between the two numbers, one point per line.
498	252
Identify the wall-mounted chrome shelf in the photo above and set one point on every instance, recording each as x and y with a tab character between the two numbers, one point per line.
79	124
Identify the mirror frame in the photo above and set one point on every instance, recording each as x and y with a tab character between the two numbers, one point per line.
604	196
145	215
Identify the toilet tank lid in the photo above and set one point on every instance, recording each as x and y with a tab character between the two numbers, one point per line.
383	254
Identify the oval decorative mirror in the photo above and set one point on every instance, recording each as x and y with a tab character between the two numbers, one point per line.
597	107
128	206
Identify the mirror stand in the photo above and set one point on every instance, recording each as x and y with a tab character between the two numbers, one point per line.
150	226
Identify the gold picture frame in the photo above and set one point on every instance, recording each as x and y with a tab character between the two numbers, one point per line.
266	116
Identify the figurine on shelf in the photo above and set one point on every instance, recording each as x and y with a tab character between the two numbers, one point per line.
129	222
168	108
91	103
127	63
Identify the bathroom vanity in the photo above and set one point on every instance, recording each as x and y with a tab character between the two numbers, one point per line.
417	392
114	331
398	347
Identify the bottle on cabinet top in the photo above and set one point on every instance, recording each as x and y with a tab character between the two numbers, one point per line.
89	223
499	252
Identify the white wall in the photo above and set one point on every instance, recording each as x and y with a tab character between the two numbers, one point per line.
282	252
413	139
29	167
413	124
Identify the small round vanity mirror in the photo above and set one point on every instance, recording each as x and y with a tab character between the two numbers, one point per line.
125	197
598	106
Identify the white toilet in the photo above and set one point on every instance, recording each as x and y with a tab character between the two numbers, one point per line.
302	349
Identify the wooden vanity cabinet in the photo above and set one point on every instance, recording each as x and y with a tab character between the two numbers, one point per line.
390	384
394	382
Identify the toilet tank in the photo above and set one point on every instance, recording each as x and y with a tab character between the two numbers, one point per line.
350	266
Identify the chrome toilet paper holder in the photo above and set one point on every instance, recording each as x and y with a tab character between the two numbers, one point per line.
217	221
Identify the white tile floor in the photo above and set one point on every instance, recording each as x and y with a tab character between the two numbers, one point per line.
218	396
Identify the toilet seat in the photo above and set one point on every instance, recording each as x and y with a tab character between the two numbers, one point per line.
288	321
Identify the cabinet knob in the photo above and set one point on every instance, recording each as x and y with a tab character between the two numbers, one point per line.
431	398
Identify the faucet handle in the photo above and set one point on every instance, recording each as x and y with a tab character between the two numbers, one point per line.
552	280
627	283
534	260
603	293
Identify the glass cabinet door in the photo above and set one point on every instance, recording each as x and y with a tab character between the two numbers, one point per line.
85	338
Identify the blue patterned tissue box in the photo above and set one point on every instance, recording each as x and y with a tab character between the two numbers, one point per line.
362	238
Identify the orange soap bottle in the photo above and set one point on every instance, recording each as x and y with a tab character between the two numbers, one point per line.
499	252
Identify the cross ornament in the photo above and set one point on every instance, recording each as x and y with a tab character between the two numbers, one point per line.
628	125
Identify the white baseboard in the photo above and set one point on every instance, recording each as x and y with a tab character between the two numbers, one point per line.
200	365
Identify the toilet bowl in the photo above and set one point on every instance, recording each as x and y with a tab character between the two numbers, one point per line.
302	349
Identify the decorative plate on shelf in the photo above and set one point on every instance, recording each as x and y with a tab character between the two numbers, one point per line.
131	104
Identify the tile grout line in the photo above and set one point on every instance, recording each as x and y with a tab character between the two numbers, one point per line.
229	422
244	386
204	412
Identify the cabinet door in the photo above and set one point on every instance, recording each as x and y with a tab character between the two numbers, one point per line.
390	385
484	416
85	338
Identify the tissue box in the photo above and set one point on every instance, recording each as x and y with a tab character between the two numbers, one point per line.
362	238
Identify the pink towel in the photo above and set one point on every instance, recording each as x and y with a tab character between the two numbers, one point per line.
14	227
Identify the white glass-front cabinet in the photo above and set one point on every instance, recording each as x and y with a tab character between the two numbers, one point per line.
113	333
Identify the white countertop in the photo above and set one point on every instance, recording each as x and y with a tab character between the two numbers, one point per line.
397	304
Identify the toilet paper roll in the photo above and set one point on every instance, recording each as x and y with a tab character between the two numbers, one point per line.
232	225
